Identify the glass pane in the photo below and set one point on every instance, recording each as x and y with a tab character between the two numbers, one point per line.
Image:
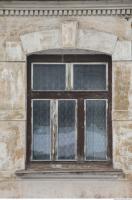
66	130
48	76
41	130
89	77
96	133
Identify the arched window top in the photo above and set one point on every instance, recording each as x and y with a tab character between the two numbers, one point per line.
68	51
69	55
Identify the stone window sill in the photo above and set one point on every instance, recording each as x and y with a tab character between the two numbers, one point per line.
90	174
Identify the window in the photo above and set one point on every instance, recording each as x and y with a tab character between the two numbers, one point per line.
69	110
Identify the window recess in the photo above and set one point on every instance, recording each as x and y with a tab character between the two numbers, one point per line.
69	111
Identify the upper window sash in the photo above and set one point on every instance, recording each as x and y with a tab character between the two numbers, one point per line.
66	78
48	77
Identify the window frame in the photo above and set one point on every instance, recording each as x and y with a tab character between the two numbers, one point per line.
81	96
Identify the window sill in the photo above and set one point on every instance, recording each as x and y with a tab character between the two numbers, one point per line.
89	174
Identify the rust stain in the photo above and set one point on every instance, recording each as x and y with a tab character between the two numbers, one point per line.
117	152
126	143
129	126
130	147
12	143
19	154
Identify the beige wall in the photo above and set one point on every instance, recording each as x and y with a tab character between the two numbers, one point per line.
20	36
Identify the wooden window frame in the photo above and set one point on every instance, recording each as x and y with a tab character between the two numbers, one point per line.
81	164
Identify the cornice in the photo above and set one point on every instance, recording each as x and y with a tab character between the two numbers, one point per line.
66	8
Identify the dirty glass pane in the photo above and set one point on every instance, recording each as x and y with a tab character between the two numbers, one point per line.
66	130
41	130
48	77
89	77
96	133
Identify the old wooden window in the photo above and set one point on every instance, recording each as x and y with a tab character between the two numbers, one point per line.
69	110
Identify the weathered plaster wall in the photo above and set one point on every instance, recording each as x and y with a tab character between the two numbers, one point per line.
65	188
20	36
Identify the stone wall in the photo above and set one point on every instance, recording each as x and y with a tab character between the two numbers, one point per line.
20	36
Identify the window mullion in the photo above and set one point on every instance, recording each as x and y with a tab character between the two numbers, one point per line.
80	130
71	73
54	128
69	76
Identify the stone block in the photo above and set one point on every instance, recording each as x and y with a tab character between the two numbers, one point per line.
96	40
37	41
69	34
14	51
12	91
12	145
123	51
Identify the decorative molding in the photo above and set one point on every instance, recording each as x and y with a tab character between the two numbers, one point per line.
69	33
66	8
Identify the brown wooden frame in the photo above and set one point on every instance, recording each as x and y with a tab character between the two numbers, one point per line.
79	95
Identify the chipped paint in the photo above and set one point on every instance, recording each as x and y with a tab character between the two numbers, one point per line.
122	85
12	91
122	145
54	111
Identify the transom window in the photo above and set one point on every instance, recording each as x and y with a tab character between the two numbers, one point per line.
69	109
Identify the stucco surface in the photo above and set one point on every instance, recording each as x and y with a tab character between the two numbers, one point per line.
12	90
122	90
122	50
12	146
65	189
20	36
122	145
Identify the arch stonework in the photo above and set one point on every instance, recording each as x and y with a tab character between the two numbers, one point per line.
85	39
90	39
